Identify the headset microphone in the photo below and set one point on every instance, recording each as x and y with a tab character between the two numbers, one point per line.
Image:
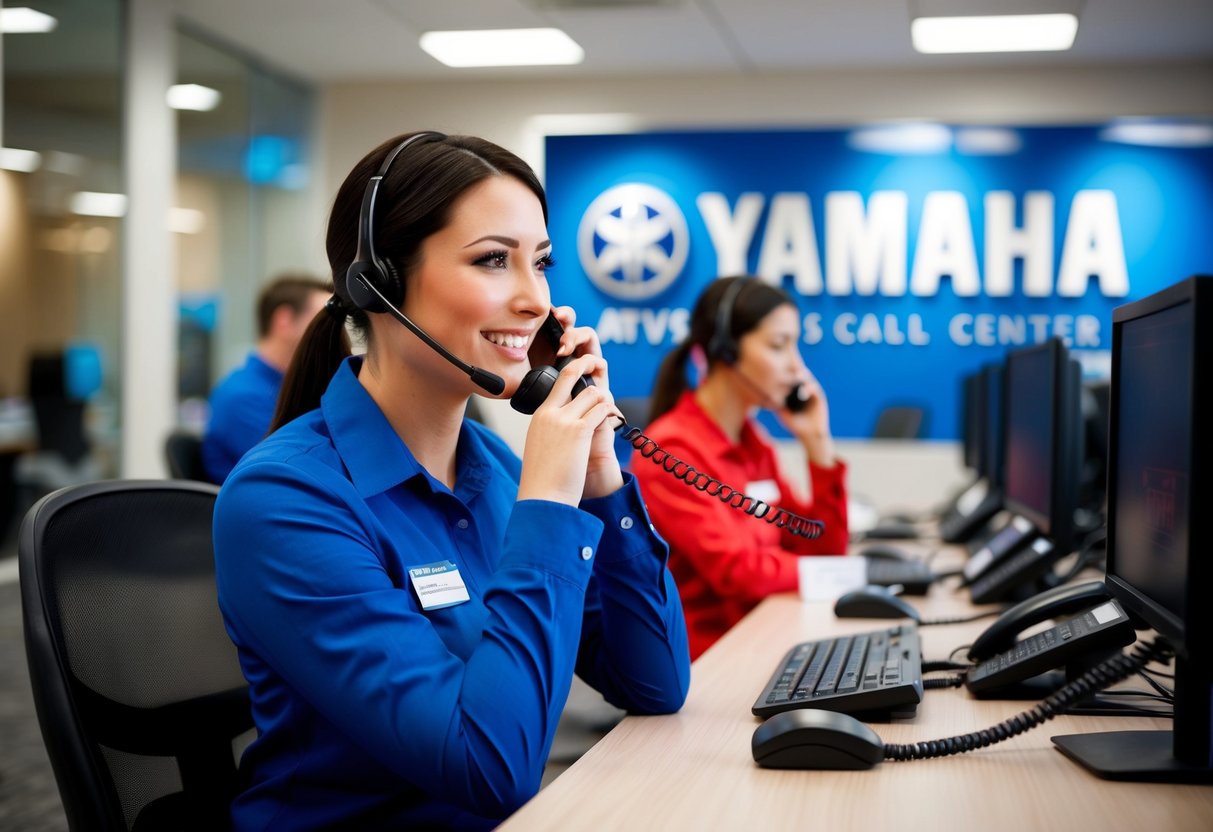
493	384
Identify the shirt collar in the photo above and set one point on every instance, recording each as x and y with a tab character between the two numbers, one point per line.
372	451
715	441
263	368
369	447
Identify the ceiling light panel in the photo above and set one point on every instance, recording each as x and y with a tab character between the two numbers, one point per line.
502	47
994	33
22	20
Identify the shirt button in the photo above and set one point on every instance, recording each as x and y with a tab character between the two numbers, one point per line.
625	523
463	523
586	553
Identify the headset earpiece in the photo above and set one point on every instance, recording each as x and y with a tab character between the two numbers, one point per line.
721	346
363	273
368	269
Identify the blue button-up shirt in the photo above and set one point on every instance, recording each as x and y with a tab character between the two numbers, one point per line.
373	712
242	407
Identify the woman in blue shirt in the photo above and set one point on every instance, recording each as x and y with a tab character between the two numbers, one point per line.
408	598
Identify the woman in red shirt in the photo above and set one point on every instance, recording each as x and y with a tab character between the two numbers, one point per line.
723	560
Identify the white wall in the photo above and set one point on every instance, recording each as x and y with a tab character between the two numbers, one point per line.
517	114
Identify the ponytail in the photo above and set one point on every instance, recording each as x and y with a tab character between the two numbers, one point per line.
671	380
324	346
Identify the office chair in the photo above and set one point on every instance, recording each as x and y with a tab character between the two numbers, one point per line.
183	452
900	423
137	687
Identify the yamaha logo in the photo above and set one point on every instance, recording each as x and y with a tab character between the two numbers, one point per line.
633	241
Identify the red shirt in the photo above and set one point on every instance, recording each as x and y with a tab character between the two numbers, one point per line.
723	560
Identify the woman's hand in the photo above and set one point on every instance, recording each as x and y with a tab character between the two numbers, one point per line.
570	445
811	426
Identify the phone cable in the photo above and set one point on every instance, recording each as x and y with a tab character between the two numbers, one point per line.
929	666
1107	673
778	517
1089	554
960	619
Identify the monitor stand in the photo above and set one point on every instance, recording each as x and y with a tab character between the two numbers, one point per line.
1137	756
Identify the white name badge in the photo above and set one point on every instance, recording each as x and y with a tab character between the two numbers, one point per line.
438	585
765	490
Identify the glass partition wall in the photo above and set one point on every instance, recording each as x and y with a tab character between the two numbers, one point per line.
61	210
243	193
244	211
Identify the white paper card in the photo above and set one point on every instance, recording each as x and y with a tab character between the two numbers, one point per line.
438	585
765	490
825	578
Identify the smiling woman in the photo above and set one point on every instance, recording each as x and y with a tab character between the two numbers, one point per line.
408	645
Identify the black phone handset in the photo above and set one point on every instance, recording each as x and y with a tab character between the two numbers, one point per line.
1053	603
537	384
797	401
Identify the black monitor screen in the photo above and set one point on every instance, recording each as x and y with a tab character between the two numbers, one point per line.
1154	456
1159	529
1028	465
992	435
970	420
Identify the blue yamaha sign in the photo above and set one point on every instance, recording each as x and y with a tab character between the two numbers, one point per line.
911	267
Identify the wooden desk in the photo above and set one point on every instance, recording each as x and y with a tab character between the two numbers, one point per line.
693	769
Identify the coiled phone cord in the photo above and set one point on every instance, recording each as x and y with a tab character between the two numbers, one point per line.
778	517
1116	668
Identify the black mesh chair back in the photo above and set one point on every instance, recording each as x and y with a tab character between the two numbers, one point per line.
900	423
183	452
136	684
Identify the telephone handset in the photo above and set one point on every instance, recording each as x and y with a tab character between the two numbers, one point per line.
1011	564
1089	627
545	367
1053	603
1020	575
797	401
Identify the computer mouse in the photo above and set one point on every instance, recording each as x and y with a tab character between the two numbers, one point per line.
874	602
813	738
884	552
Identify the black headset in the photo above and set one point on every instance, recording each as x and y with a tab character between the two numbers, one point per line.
721	346
374	285
368	272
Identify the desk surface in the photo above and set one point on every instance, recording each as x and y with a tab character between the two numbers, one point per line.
693	769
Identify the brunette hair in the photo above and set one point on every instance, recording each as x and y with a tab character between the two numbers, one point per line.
751	302
293	290
414	201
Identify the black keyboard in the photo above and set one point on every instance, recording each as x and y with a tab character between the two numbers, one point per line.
873	673
914	576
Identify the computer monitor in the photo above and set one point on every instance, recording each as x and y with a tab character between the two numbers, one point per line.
1043	442
1095	403
971	419
1159	531
992	433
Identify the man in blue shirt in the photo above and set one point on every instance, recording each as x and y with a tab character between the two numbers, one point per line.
242	404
